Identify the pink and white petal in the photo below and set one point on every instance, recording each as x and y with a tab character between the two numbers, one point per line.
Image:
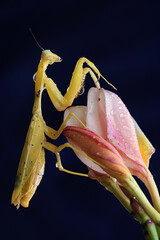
96	114
120	128
99	149
80	112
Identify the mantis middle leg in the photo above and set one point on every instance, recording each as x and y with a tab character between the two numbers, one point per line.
53	134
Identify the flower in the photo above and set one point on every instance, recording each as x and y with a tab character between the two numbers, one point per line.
107	117
101	151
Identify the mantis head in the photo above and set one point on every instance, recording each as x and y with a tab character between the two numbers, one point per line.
51	57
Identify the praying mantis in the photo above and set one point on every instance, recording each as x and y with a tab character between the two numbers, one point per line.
32	161
108	159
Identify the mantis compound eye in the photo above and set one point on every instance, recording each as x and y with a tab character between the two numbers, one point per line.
51	57
60	59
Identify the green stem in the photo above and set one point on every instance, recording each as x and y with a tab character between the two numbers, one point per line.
148	226
153	190
131	185
113	187
158	230
150	229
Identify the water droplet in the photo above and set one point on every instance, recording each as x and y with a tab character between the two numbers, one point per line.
122	115
115	180
82	90
113	96
56	165
112	112
73	135
97	153
34	77
126	145
120	107
126	127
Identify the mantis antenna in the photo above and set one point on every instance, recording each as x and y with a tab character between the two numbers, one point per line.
36	39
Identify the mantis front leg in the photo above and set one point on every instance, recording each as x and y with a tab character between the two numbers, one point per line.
62	102
59	101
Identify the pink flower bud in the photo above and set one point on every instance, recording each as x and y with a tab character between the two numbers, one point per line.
109	121
100	150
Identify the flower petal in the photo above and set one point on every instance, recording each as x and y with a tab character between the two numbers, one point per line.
108	116
96	113
120	128
80	112
122	131
145	146
100	150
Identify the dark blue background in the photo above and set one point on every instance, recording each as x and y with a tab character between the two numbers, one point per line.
122	38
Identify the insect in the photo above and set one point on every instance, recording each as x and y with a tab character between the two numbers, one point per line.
32	162
112	151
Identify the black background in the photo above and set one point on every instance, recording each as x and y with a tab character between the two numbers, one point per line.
122	38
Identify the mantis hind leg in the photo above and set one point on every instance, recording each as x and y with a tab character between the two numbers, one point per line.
56	150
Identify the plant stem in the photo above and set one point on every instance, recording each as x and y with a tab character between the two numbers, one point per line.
153	190
148	226
131	185
118	193
150	229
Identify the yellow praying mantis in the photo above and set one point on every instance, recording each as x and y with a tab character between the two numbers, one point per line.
116	176
32	161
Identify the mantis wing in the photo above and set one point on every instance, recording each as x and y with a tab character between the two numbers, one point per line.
31	165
